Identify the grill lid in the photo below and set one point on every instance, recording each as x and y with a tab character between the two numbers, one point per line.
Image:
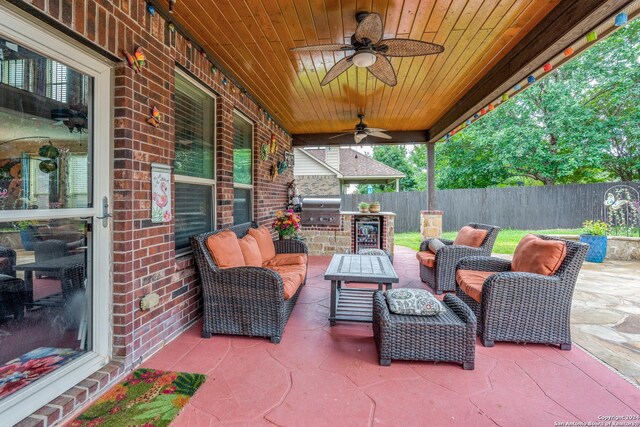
321	211
325	204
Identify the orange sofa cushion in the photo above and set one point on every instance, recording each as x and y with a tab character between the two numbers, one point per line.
300	270
469	236
225	250
265	242
286	259
471	281
292	277
290	284
427	258
539	256
250	251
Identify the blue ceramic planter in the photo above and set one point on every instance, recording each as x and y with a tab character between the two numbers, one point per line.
27	240
597	247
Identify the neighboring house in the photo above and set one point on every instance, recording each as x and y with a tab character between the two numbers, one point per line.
329	171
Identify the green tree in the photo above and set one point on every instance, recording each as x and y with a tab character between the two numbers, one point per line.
581	123
396	157
613	69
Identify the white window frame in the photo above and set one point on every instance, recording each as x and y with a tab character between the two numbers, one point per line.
185	179
24	29
252	185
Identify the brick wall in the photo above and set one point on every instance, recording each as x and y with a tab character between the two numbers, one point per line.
143	253
318	185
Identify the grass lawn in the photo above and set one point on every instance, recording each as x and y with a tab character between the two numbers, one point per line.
505	243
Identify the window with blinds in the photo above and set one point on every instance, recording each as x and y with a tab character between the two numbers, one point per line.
56	81
194	162
242	170
242	145
194	212
77	185
194	131
12	73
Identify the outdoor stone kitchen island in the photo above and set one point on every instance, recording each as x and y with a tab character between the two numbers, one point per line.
341	238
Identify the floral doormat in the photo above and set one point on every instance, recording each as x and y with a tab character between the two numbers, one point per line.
31	366
146	397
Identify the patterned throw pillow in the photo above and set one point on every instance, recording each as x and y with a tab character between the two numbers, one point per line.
368	251
417	302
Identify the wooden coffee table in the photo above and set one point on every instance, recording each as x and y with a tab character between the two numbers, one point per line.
355	304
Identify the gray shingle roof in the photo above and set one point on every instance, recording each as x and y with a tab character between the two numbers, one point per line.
354	163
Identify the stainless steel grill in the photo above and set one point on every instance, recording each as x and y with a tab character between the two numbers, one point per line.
317	211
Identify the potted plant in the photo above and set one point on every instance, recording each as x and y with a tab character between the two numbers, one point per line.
595	234
286	224
26	229
364	207
374	207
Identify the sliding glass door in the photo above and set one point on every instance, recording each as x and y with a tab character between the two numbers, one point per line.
54	228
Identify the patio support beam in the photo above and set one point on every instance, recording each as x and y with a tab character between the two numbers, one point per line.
397	138
431	176
566	23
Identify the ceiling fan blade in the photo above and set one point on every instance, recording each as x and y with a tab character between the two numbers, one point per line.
408	47
323	47
379	135
339	135
358	137
340	67
375	130
383	70
371	28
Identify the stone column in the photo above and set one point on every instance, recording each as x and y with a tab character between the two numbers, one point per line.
430	224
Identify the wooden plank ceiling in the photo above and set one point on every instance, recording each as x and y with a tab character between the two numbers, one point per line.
253	38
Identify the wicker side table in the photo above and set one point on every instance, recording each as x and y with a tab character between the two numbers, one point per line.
447	337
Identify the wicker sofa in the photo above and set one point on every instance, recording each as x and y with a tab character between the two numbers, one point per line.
523	306
440	275
244	300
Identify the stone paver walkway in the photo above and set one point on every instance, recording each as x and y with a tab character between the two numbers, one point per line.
605	315
605	318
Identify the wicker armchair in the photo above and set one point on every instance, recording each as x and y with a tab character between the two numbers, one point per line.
13	291
244	300
525	307
442	277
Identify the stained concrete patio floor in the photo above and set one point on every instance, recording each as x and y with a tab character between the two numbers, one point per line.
329	376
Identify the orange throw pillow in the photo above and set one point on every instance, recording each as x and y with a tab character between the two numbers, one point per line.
469	236
225	250
539	256
286	259
250	251
265	242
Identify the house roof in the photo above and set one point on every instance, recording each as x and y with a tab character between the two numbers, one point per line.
355	164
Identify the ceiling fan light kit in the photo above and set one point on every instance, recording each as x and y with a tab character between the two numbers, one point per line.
371	50
364	59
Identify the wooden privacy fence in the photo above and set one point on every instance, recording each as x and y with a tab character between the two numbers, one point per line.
531	208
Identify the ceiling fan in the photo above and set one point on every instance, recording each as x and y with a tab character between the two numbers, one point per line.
362	131
372	51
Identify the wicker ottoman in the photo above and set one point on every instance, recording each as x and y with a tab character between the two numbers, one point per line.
446	337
